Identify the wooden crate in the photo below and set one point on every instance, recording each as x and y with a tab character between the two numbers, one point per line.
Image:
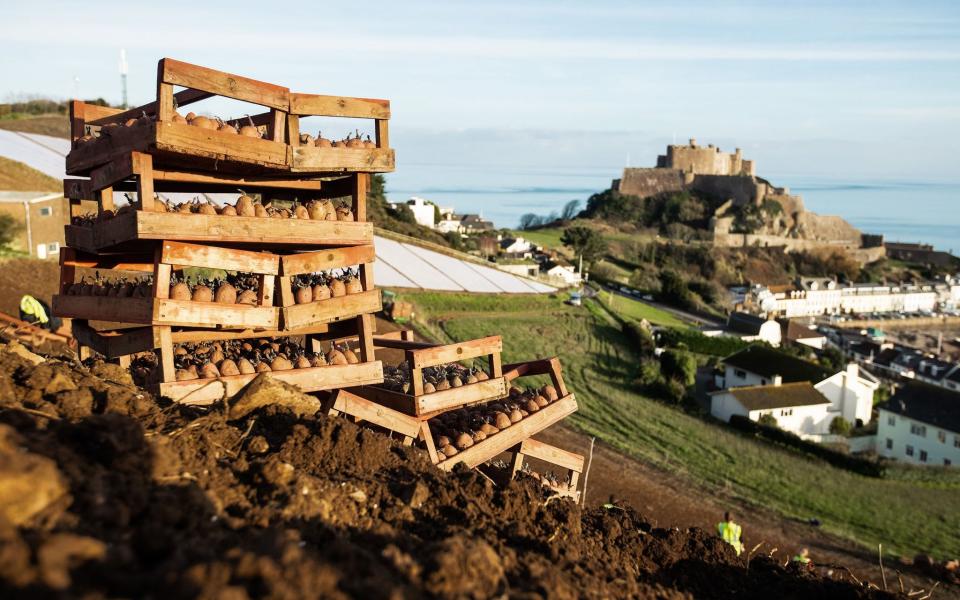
182	145
160	309
296	316
146	221
419	355
570	462
417	427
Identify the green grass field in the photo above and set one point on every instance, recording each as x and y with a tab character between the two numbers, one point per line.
908	514
549	238
637	311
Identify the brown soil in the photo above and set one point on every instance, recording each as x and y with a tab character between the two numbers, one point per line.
16	176
52	125
131	498
668	500
19	276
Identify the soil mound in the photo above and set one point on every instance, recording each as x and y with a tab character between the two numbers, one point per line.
133	497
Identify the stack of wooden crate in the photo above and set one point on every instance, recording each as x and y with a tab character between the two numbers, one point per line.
151	150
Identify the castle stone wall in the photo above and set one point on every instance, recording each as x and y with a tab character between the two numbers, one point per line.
647	182
741	189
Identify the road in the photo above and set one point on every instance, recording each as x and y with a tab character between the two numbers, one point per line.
680	314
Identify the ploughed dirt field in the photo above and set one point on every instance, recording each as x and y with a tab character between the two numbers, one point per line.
668	500
105	492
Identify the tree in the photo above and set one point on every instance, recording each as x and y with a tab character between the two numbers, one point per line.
570	210
768	420
529	221
9	228
585	242
678	365
437	217
840	426
831	358
674	290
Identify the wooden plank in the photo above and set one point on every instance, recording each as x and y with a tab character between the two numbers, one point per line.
168	370
360	187
338	106
308	159
293	130
77	189
210	143
552	454
265	290
104	308
366	326
354	405
207	335
383	133
181	98
105	200
224	84
113	344
213	257
77	120
111	173
68	270
556	375
121	141
333	309
232	183
533	367
427	437
93	113
276	129
205	391
142	165
448	353
474	392
483	451
325	260
83	260
189	313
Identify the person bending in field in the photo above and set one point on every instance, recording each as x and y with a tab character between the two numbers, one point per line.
36	312
730	532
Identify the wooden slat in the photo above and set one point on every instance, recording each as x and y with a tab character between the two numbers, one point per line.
77	189
427	436
338	106
206	335
534	367
483	451
93	113
181	98
136	263
112	172
360	187
474	392
333	309
383	135
213	257
114	344
144	225
234	182
189	313
325	260
552	454
205	391
440	355
224	84
342	160
103	308
210	143
352	404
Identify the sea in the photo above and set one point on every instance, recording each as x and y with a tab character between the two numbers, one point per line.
923	211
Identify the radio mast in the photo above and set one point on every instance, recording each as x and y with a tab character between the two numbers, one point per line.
123	75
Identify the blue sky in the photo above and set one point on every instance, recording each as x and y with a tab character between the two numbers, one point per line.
864	89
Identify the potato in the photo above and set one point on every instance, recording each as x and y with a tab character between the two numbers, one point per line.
515	416
531	406
502	421
448	451
428	388
489	429
228	367
464	441
549	392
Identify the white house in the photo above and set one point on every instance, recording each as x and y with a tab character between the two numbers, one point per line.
753	328
797	407
564	274
423	211
518	246
850	392
795	332
920	424
817	296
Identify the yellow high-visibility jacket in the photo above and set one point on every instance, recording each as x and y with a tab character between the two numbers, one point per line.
730	533
31	306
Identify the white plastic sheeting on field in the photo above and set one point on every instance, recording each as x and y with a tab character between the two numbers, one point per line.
406	265
41	152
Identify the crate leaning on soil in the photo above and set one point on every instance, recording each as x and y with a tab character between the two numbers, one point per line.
268	143
496	420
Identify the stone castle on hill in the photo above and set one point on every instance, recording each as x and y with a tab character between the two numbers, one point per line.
732	178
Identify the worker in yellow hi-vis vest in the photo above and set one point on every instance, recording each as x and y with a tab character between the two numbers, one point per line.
36	312
730	532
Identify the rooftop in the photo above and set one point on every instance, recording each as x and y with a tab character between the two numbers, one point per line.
768	362
765	397
745	323
930	404
793	330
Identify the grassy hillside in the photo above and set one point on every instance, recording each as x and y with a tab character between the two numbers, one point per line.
906	516
52	125
16	176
